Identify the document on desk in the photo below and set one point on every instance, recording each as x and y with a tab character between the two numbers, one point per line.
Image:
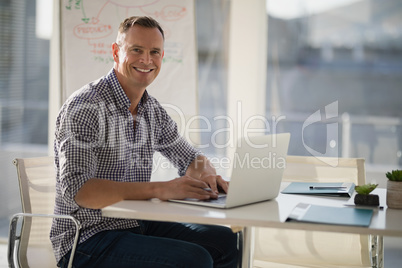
320	188
331	215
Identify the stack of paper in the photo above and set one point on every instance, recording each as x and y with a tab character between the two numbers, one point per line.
331	215
320	188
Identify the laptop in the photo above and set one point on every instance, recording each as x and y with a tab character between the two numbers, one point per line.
257	171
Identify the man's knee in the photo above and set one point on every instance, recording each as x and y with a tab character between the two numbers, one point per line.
194	256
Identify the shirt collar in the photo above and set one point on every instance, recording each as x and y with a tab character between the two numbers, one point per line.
144	98
118	91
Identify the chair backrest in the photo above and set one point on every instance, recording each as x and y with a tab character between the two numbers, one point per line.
324	169
37	180
308	248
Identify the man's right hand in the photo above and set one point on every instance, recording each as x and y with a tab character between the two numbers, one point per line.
186	187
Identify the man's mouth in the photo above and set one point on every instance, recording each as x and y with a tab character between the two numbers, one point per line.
143	70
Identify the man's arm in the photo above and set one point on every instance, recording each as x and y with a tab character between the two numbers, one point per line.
99	193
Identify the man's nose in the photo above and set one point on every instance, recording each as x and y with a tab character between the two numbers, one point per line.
146	58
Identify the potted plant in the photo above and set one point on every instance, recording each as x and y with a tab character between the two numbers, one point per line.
363	196
394	189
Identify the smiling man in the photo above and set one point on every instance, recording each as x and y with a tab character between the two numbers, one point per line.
106	135
138	54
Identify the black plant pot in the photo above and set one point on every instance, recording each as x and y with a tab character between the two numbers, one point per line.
367	199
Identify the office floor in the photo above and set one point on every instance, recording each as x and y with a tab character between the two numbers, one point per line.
392	253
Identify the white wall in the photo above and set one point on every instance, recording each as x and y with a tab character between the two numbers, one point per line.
55	89
247	67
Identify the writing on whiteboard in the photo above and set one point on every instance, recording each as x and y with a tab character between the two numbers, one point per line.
98	32
89	28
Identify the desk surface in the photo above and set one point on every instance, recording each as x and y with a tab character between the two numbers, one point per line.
273	213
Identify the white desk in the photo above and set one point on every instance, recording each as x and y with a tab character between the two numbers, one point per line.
385	222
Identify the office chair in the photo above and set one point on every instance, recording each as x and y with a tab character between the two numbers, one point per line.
29	243
282	248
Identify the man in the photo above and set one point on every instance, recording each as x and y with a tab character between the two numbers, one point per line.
106	134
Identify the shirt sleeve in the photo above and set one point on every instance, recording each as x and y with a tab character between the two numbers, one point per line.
76	141
173	146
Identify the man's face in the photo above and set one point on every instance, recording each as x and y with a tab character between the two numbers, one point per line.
139	57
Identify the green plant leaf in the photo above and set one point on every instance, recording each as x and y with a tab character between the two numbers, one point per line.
366	188
395	175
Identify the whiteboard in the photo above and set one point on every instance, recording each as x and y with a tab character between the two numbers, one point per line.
89	27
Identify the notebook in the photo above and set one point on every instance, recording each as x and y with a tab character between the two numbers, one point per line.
257	171
320	188
331	215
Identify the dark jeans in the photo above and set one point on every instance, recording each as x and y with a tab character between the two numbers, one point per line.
159	244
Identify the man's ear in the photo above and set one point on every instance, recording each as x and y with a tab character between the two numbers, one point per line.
163	54
115	51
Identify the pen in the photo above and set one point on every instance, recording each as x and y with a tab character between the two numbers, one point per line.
326	187
364	206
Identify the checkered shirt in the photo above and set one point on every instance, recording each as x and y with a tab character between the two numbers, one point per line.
96	137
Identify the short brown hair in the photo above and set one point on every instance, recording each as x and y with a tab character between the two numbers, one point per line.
143	21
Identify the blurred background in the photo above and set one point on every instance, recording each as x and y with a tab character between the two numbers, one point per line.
343	52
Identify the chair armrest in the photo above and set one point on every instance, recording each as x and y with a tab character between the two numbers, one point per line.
12	237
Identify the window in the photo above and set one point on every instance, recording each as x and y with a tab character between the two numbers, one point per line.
344	54
24	86
212	22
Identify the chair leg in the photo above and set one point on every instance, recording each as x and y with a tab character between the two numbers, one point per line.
377	251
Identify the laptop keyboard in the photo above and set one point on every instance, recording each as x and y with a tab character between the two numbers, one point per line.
220	200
